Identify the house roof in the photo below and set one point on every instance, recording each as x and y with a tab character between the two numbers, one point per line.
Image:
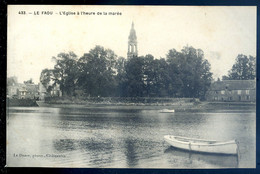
32	87
233	85
22	90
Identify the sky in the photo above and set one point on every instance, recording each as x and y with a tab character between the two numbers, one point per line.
33	38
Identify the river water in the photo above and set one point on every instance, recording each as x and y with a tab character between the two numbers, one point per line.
122	138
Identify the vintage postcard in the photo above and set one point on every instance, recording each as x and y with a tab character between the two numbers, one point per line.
131	86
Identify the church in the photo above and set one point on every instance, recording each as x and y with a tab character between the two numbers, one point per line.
132	44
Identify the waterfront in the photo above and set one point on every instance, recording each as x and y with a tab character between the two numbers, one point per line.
123	138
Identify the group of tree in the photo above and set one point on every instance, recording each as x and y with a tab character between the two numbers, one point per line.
244	68
101	73
12	81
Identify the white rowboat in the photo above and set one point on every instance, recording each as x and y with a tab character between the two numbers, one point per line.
200	145
167	111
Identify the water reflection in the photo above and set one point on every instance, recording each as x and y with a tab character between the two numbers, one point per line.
225	161
130	152
64	145
96	153
96	137
101	151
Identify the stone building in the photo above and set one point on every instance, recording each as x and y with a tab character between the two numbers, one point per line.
232	91
22	93
132	43
53	92
12	87
32	91
21	90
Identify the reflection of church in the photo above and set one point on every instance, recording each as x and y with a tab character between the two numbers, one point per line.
132	43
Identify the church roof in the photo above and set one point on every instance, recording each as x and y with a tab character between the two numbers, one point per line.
132	35
233	85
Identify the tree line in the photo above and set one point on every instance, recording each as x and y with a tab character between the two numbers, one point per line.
101	73
244	68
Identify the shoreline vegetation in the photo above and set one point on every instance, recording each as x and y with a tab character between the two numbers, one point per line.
178	104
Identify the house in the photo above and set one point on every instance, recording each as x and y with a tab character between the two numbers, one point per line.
32	91
12	91
232	91
53	92
22	93
12	87
27	91
21	90
16	90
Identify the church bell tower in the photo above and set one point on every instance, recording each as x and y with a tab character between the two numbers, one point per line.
132	43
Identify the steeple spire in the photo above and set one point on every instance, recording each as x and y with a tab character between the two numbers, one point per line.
132	43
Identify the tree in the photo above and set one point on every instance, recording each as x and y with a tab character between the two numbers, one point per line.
157	76
145	76
121	81
189	71
148	70
225	77
11	81
176	62
65	72
252	68
135	77
100	73
46	79
28	81
243	69
97	72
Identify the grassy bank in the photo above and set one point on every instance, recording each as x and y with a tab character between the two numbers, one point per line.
21	102
178	104
124	101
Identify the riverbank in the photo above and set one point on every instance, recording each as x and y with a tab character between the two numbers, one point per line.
178	104
120	100
21	102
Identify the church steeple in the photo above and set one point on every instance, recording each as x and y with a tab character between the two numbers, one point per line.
132	43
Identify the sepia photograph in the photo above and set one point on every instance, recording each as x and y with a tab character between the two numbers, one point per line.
152	87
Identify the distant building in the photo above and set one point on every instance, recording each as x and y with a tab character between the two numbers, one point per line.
22	91
11	81
12	86
233	91
32	91
132	43
12	91
53	92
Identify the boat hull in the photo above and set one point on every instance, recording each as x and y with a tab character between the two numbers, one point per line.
197	145
167	111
